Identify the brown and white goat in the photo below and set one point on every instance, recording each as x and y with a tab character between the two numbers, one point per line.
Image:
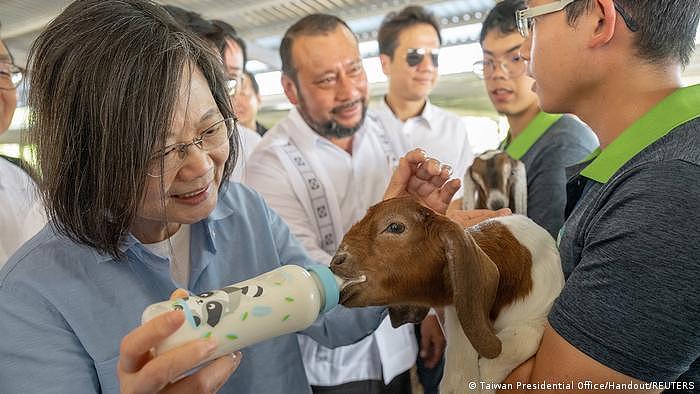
497	280
494	181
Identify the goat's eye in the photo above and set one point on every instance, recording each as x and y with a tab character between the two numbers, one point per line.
395	228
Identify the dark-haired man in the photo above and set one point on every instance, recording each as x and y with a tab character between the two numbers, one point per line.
545	143
409	45
629	310
321	168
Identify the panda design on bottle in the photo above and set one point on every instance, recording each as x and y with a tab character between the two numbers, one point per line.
211	306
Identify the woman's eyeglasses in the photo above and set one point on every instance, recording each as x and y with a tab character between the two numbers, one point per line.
170	158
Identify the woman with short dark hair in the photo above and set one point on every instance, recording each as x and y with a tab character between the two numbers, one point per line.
135	139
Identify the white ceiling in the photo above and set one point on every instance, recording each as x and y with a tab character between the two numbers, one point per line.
261	23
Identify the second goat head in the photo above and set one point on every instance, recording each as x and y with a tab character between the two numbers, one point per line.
494	181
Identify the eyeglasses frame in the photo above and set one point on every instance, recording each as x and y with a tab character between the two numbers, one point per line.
183	147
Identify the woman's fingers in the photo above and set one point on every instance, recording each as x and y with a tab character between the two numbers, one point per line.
166	367
210	378
134	351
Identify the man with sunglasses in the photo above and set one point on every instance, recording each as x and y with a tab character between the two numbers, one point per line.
409	46
546	144
20	212
628	313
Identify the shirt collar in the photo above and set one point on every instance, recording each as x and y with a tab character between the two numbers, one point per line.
678	108
427	115
305	137
534	130
224	208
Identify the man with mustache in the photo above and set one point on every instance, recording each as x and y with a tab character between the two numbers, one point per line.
320	168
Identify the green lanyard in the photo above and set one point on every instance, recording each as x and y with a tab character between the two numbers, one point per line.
524	141
678	108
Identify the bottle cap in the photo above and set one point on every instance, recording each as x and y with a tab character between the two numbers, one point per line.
331	293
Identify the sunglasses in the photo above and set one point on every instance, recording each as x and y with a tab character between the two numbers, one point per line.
415	56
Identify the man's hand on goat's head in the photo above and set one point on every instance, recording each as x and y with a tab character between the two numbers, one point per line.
424	178
474	216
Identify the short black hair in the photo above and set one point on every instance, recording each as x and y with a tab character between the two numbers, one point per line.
394	23
502	17
667	28
230	32
310	25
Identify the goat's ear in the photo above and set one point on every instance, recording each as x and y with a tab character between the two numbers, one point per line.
518	189
402	314
474	280
469	189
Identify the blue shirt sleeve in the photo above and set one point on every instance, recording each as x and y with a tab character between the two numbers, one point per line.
633	302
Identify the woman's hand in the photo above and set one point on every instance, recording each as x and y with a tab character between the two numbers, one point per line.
139	371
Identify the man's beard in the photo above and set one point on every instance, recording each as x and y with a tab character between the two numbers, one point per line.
331	129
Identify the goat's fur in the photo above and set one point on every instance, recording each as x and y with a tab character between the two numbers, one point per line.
498	281
494	181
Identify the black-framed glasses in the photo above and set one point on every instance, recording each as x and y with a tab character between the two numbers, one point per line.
513	66
170	158
415	56
10	76
524	17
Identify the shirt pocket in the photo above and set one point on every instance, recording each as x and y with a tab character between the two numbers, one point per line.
107	374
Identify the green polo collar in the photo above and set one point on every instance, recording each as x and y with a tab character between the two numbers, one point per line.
678	108
524	141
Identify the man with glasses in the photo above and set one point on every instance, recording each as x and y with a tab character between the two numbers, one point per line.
546	144
629	247
223	38
20	212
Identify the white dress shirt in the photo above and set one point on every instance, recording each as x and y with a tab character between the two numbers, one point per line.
352	184
249	139
442	134
21	213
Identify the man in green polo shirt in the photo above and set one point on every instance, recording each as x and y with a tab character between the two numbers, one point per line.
546	144
630	310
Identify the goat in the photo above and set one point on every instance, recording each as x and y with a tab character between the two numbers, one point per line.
494	181
497	280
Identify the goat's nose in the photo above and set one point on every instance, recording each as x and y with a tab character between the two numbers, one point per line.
338	259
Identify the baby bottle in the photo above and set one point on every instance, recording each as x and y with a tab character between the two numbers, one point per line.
278	302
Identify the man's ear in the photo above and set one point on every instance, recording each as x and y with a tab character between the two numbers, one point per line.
290	89
606	17
386	64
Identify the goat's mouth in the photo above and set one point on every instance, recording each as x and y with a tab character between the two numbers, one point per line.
351	289
349	282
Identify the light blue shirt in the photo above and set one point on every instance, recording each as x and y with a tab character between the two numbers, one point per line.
64	308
